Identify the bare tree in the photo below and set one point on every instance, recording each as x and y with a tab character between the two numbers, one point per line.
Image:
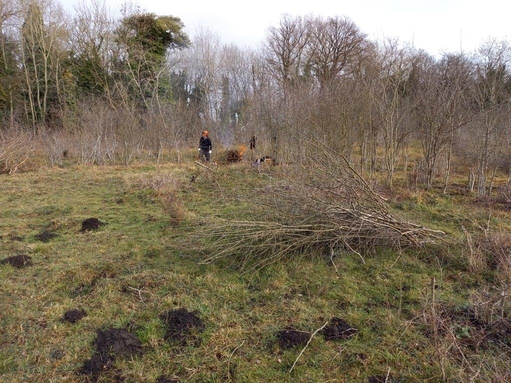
284	50
92	47
490	127
9	71
440	92
237	93
390	93
42	34
336	47
201	66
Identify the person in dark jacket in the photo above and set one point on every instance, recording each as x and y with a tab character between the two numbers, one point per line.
205	146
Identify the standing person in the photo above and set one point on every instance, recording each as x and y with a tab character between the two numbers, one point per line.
205	146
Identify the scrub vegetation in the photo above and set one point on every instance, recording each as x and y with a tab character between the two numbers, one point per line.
352	225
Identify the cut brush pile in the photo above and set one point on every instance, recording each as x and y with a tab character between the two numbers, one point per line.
326	205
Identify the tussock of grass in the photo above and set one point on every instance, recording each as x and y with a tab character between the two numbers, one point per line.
145	262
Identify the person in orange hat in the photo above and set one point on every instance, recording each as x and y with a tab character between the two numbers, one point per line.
205	146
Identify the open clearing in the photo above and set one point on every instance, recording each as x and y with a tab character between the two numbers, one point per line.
102	280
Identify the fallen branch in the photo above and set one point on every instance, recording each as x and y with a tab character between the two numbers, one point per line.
307	345
204	166
229	360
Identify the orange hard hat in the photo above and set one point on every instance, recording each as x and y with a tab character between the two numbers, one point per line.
205	132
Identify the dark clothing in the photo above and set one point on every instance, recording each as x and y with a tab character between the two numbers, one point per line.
205	143
205	147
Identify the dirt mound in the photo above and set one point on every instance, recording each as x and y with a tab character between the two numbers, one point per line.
18	261
110	344
91	224
73	316
182	326
338	329
289	337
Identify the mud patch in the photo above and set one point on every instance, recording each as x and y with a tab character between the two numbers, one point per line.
109	345
19	261
182	326
338	329
290	337
91	224
73	316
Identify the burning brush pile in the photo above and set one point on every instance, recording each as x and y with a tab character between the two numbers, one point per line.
236	154
325	206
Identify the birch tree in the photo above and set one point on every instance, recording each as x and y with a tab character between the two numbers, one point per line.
43	36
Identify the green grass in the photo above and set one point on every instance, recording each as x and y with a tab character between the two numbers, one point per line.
144	262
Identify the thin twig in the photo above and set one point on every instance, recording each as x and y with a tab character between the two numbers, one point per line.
204	166
139	291
332	259
229	360
310	339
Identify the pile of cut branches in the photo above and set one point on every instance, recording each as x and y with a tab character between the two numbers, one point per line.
325	205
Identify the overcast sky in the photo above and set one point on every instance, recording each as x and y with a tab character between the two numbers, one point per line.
436	26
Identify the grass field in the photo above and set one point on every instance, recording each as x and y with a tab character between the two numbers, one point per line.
131	301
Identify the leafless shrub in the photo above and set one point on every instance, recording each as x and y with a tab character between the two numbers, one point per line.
456	331
323	205
160	184
174	207
16	151
57	146
476	258
491	250
491	305
165	187
504	193
95	129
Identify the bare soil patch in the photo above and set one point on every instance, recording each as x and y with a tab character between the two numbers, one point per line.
182	326
290	337
19	261
338	329
90	224
74	315
109	345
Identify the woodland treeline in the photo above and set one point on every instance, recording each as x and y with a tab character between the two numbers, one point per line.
110	87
